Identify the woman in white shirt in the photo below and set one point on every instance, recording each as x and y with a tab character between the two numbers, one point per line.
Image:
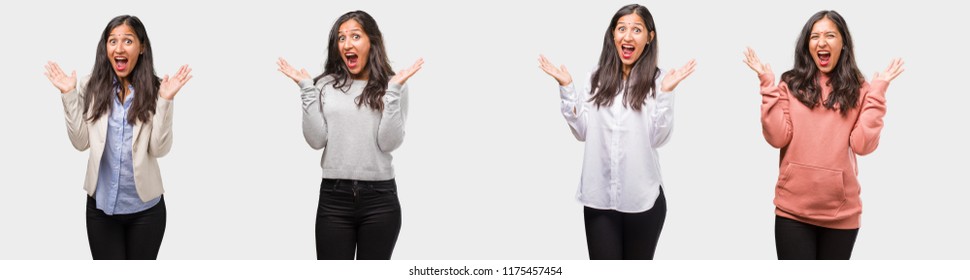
623	116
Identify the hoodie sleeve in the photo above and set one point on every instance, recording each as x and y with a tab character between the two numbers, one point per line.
865	134
775	118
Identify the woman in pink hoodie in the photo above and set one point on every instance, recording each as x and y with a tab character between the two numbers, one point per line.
821	114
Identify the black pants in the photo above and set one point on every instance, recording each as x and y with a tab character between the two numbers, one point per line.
136	236
613	235
361	216
796	240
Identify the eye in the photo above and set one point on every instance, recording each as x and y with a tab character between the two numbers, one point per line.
128	41
341	38
636	30
356	36
112	41
621	28
814	37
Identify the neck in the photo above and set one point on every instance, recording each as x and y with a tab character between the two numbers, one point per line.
123	93
363	75
626	71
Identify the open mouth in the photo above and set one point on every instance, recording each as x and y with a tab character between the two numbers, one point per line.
824	58
121	63
627	50
352	60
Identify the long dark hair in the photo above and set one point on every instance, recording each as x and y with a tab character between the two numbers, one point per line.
100	88
608	78
378	68
845	78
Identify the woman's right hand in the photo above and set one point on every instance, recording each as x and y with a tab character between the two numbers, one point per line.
291	72
60	80
751	59
561	74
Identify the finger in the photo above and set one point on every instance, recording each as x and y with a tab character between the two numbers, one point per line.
165	79
563	68
305	73
188	72
74	75
57	70
900	72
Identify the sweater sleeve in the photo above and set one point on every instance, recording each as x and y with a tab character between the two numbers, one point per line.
865	134
77	129
775	118
314	125
390	132
575	110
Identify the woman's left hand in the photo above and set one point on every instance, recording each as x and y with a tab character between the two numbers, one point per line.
674	76
895	68
403	75
171	86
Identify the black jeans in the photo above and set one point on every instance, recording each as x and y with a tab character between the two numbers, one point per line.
361	216
614	235
136	236
796	240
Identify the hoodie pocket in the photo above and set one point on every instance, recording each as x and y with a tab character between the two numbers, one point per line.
810	191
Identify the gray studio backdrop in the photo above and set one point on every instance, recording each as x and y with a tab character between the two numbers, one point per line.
488	169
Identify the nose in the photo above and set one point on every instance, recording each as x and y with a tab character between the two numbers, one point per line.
628	36
118	49
346	45
823	43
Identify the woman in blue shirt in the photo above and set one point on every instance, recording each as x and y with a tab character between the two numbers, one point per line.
123	113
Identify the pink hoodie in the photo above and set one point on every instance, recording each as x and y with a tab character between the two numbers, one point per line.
817	181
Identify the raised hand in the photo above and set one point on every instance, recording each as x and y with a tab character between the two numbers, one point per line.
895	68
62	82
559	73
674	76
171	86
751	59
291	72
405	74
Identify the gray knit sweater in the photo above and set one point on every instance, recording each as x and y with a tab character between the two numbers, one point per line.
358	140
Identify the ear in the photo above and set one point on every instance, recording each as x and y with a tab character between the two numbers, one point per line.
651	36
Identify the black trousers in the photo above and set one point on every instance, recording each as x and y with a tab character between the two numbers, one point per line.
796	240
357	216
136	236
614	235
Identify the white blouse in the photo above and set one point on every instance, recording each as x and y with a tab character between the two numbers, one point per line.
621	168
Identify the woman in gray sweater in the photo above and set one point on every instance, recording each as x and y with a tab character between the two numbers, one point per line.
355	111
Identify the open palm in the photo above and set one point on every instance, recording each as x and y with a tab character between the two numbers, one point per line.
559	73
675	76
405	74
62	82
171	86
895	68
751	59
289	71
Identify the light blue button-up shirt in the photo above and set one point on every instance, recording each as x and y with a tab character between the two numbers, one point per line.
115	193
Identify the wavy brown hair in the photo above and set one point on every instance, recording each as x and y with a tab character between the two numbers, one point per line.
845	78
378	66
